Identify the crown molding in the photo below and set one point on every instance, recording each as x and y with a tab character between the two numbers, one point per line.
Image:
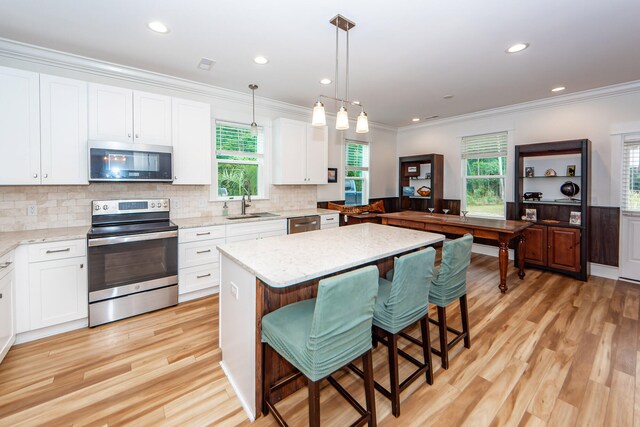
54	58
586	95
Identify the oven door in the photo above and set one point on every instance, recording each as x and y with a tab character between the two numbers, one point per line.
123	265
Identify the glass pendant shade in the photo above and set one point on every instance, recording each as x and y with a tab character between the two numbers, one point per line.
254	129
319	118
362	125
342	119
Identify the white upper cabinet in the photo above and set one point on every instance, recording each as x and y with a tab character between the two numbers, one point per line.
125	115
19	127
191	142
110	113
151	118
299	153
63	121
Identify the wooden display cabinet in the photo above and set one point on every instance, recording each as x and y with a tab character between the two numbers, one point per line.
417	171
553	242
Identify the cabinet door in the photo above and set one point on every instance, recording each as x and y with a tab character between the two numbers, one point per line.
63	121
289	161
564	248
191	142
536	245
19	127
58	291
316	155
151	118
110	113
7	315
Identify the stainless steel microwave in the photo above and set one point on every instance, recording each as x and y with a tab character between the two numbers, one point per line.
119	161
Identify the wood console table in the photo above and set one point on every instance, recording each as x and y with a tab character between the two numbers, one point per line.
502	231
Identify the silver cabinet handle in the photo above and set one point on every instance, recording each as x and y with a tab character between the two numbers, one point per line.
35	175
137	136
46	175
5	265
203	234
203	276
0	296
116	240
81	265
203	252
331	219
128	135
175	178
58	250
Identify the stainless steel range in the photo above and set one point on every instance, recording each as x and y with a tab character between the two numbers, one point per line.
132	259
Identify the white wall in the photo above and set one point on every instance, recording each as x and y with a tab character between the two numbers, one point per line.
383	161
598	119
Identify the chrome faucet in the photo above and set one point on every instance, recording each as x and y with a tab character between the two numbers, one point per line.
247	193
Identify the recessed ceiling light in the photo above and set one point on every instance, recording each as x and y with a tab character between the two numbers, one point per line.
325	81
447	97
558	89
415	119
158	27
518	47
260	60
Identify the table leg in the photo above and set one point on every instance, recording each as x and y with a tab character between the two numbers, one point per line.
503	260
521	249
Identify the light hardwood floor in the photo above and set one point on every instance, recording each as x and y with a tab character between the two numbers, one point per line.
552	351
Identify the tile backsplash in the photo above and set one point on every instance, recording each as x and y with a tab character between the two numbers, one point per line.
70	206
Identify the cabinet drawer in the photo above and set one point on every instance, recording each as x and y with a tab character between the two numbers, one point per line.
57	250
196	278
198	253
257	227
186	235
329	225
329	219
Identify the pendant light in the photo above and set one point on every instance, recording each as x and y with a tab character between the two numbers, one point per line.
342	117
254	125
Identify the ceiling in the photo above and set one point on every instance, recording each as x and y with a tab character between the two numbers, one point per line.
405	56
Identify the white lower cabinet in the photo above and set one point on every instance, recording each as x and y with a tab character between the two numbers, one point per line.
57	291
329	221
7	305
198	259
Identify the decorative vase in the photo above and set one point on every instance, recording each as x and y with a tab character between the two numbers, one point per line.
424	191
569	189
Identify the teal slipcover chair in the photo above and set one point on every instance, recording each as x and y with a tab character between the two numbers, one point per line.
402	301
321	335
449	284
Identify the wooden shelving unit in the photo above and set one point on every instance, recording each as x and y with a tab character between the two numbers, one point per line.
553	242
417	171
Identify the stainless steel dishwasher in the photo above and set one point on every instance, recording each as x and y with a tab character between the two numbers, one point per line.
303	223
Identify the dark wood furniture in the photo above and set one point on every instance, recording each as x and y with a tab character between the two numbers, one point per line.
351	219
434	164
553	243
502	231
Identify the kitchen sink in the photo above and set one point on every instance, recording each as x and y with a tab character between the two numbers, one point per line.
253	215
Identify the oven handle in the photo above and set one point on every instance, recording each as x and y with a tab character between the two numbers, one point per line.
116	240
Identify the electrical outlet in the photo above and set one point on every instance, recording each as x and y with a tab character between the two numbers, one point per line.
32	210
175	204
234	290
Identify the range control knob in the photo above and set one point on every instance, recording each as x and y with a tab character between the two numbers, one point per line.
105	207
166	204
153	205
97	207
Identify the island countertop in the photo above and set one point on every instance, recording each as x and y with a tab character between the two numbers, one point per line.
287	260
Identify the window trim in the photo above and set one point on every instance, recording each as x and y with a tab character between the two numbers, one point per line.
628	140
366	187
263	162
486	155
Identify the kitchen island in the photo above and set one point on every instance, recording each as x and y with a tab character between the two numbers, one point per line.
260	276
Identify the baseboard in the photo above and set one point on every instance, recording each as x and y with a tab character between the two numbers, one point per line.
478	248
606	271
198	294
51	330
245	405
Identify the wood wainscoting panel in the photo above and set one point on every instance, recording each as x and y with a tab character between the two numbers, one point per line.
604	235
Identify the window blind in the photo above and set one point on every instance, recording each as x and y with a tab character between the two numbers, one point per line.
237	137
631	173
357	155
487	145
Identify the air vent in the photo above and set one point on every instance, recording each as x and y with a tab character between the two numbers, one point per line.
206	64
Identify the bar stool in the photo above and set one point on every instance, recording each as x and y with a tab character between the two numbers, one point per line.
319	336
449	284
401	303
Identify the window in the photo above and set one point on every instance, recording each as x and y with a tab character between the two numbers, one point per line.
356	176
631	173
239	161
484	163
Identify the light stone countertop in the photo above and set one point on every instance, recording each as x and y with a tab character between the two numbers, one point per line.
12	239
283	261
205	221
